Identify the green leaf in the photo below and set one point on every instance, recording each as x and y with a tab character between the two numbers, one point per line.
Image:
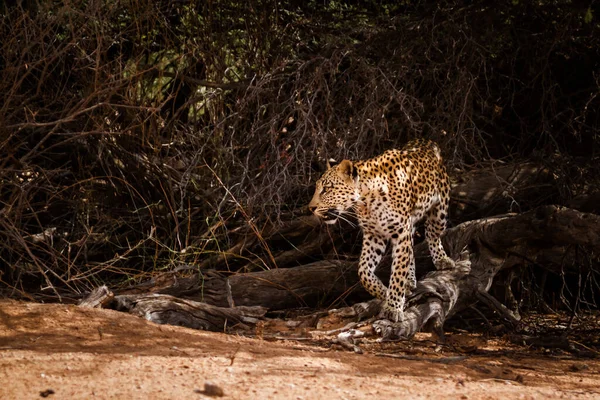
588	16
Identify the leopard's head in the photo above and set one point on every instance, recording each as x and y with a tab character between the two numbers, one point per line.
336	192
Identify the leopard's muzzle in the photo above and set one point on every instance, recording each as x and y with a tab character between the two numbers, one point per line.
329	216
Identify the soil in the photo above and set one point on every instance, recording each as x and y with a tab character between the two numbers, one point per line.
63	351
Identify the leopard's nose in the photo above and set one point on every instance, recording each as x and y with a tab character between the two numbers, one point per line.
312	209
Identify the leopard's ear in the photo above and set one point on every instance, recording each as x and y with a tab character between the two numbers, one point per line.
347	168
331	163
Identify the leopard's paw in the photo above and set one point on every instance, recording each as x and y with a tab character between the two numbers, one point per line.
392	314
445	263
412	283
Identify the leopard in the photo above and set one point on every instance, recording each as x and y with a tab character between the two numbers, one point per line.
388	195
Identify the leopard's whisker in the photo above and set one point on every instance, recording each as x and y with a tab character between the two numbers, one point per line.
343	218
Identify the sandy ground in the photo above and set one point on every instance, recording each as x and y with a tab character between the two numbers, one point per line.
65	352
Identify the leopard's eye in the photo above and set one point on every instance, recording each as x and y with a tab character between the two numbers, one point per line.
326	188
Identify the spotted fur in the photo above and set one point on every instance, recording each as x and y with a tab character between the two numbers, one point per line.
389	194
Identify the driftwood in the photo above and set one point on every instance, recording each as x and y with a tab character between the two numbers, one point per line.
316	284
164	309
97	298
298	238
494	244
483	247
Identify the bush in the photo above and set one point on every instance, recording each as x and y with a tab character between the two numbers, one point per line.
139	136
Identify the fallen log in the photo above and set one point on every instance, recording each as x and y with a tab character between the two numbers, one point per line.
97	298
164	309
483	247
492	245
290	243
500	188
317	284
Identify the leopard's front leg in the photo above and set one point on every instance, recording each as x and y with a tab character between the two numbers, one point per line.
372	251
402	278
435	224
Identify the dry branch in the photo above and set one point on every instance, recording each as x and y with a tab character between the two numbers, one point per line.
99	297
